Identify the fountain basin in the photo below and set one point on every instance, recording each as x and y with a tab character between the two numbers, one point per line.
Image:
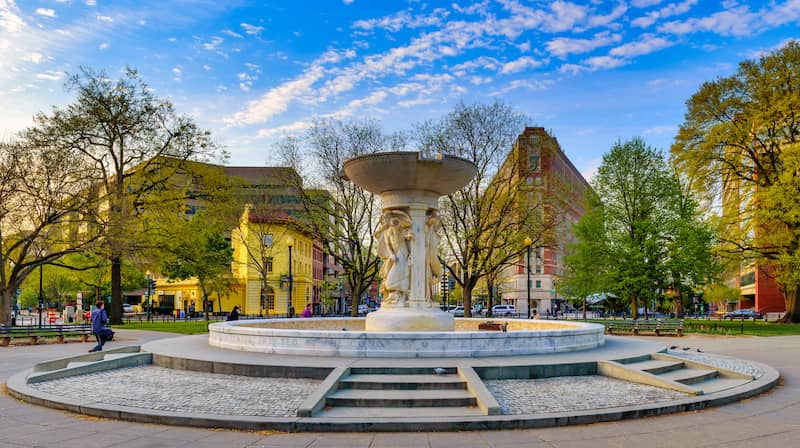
345	337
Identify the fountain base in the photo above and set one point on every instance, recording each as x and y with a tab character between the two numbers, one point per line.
409	319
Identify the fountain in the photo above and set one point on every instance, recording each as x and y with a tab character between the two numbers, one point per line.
407	237
409	324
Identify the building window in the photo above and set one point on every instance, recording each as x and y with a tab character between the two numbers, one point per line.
268	264
538	284
268	299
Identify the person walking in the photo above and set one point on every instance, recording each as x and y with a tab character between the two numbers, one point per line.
234	314
99	321
307	312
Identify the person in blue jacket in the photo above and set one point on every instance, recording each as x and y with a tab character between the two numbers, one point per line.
99	321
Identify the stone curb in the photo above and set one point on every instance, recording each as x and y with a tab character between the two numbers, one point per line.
18	388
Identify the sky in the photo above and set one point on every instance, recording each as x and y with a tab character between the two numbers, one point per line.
591	72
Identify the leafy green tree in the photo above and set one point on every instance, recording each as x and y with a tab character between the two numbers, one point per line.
135	145
737	145
586	261
202	252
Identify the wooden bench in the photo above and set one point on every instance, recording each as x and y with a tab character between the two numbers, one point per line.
657	327
60	332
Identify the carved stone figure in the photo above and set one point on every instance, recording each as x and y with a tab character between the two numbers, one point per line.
434	266
394	236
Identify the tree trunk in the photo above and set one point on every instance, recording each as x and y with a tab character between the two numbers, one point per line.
792	300
6	300
646	314
115	308
490	302
634	307
467	296
679	304
584	308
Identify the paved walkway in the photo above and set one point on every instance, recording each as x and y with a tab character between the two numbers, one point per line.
771	420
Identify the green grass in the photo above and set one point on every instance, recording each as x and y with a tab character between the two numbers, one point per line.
191	327
736	327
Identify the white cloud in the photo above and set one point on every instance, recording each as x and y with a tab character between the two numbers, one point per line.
91	2
736	22
36	58
178	72
213	44
10	19
291	128
50	75
523	84
563	46
403	19
603	20
252	30
604	62
648	44
103	46
207	68
348	2
644	3
658	130
478	80
46	12
520	64
277	99
670	10
104	18
232	34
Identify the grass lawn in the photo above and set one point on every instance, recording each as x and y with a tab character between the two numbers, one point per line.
190	327
736	327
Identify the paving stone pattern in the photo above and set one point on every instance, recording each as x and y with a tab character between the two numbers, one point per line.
164	389
573	393
723	362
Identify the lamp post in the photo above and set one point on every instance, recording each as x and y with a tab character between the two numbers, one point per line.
528	243
289	244
41	296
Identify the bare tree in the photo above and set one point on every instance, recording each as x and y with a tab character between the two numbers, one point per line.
340	213
484	224
47	210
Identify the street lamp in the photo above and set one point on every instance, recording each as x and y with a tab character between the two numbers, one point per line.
528	243
289	244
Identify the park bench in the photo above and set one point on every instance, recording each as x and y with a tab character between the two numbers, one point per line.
658	327
34	332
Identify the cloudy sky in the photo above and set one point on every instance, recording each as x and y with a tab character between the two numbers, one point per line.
590	71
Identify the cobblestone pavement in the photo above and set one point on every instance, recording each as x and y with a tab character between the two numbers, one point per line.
573	393
723	362
191	392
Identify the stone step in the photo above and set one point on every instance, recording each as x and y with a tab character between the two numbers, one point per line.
400	370
371	413
402	382
112	356
718	384
656	366
690	376
401	398
74	364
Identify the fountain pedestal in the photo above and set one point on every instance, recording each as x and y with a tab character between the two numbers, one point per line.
407	237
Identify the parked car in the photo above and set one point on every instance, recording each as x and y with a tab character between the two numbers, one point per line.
127	308
363	309
744	314
504	310
457	311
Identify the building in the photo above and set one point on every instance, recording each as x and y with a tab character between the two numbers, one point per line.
553	181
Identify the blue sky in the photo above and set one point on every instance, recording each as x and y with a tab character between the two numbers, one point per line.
590	71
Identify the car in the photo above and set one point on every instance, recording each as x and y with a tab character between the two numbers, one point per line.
127	308
504	310
457	311
743	314
363	309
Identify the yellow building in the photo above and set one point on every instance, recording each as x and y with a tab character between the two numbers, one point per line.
261	248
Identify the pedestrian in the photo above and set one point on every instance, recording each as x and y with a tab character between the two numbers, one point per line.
307	312
234	314
99	321
191	310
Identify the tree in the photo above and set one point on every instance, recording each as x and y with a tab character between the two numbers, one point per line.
135	142
586	259
338	212
202	252
637	191
485	223
47	211
737	146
